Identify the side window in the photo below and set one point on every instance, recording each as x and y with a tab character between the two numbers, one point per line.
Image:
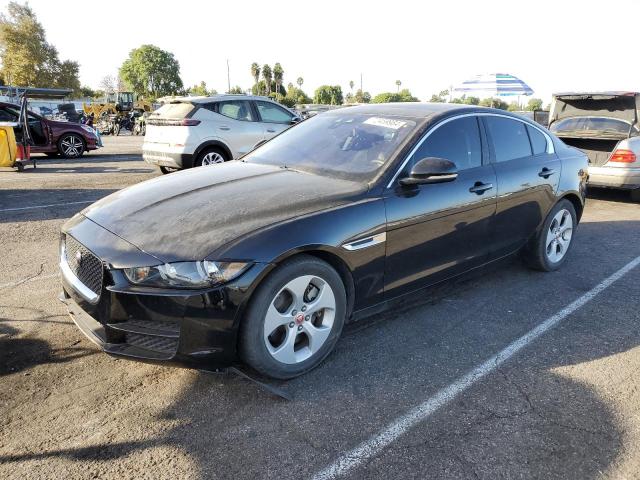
236	109
271	113
7	115
509	137
458	141
538	141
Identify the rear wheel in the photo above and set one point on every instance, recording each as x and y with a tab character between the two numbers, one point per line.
71	145
294	319
547	251
210	156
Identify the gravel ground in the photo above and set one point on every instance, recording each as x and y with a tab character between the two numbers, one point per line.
565	406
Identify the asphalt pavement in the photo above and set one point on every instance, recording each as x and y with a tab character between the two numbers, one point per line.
461	383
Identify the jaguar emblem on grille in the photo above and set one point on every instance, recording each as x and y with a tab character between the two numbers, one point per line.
79	257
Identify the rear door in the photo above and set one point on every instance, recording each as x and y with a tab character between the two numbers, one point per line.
238	126
274	118
528	172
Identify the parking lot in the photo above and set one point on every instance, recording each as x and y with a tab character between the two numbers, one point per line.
393	401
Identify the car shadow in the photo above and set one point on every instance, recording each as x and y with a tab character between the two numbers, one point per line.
94	163
541	423
609	194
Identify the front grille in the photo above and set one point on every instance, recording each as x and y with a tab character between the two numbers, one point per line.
84	264
151	342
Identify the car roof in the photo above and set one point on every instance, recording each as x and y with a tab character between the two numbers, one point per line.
416	109
220	97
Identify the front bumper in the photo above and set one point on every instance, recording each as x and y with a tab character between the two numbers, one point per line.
615	177
189	328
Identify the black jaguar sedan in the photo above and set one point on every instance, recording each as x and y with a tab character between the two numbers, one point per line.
263	260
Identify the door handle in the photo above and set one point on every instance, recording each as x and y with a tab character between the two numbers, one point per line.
224	127
546	172
271	130
479	187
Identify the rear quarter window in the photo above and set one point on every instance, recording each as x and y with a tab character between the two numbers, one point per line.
538	141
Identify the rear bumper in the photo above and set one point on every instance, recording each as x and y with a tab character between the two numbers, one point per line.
615	177
168	159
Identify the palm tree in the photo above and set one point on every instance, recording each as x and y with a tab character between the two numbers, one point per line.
278	74
255	72
266	75
351	84
398	83
300	81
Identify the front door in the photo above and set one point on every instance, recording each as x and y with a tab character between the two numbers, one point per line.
274	119
435	231
238	127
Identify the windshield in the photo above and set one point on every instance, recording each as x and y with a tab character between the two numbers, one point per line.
591	125
345	145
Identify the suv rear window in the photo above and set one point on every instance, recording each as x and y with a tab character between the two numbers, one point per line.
178	110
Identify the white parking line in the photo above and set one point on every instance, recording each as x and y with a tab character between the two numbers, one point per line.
45	206
373	446
32	279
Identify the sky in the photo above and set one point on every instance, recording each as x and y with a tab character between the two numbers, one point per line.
553	46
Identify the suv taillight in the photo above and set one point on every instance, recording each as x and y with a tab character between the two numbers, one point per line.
622	155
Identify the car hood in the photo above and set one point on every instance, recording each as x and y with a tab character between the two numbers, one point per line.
189	214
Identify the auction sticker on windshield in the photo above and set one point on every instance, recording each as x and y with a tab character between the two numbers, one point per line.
385	122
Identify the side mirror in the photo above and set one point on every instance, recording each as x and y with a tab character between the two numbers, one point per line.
431	170
295	120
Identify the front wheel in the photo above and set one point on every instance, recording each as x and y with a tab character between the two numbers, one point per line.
294	318
71	146
548	249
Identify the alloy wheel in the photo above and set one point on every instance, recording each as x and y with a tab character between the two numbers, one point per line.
212	158
72	146
299	319
559	235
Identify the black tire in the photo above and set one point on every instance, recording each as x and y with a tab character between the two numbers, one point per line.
535	252
78	142
116	130
635	195
252	347
167	170
206	151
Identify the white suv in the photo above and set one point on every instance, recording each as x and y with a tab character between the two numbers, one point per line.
194	131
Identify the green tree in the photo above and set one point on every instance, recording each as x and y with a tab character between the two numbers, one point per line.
267	76
26	56
255	72
236	90
152	72
494	102
278	75
328	95
534	104
403	95
296	96
199	90
471	101
362	97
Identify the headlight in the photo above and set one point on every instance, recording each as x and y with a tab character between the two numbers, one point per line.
186	274
87	128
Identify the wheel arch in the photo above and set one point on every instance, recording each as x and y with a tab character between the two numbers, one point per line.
213	143
574	198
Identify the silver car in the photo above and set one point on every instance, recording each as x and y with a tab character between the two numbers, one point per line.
194	131
606	126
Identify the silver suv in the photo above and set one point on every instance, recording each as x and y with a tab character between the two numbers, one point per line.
194	131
